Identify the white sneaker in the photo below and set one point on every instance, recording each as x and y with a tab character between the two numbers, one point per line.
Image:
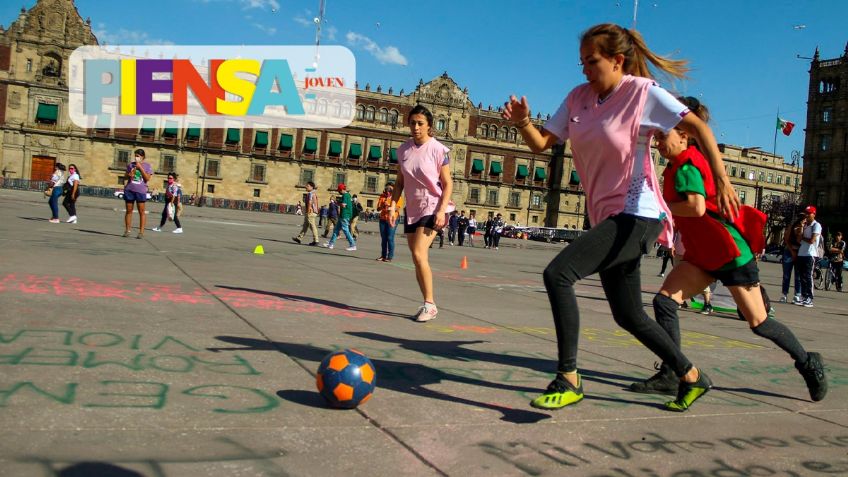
808	303
797	300
783	299
156	229
351	248
426	313
72	219
327	245
178	231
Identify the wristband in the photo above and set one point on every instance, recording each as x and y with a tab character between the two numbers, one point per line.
523	123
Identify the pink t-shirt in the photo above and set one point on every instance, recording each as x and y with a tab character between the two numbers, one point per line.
421	166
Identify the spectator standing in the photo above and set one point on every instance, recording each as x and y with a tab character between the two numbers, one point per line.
72	192
808	253
837	258
309	217
453	224
138	175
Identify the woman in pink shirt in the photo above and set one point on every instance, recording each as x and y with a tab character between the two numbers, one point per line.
425	181
609	121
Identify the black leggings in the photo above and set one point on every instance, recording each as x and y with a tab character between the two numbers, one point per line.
614	249
165	217
70	205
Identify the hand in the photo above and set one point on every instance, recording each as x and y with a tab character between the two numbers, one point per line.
439	220
728	202
515	110
392	219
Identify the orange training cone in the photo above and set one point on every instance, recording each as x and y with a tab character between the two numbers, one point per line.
464	264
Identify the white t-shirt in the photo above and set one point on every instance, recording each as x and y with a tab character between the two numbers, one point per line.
662	112
810	249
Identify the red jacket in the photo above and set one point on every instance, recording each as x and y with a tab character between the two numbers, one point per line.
708	244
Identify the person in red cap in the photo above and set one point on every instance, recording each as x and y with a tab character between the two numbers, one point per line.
808	253
343	225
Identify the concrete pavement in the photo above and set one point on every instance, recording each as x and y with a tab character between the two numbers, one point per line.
189	355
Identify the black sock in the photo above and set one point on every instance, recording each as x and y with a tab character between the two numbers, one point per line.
782	336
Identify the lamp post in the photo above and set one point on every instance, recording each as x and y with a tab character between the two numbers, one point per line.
753	176
203	174
796	162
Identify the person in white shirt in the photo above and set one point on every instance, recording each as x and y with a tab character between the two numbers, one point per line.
808	253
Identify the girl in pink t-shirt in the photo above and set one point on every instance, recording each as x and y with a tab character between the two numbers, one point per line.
609	121
425	181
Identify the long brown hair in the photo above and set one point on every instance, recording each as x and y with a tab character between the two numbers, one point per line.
612	39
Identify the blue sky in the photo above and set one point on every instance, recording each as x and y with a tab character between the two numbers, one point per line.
743	53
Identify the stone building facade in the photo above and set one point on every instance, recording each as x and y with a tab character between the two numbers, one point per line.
826	144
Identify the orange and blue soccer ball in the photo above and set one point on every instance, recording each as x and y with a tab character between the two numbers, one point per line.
346	378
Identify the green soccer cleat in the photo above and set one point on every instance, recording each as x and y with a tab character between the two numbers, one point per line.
560	393
688	393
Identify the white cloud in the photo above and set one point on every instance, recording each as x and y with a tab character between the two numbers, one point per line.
126	37
389	54
303	21
263	4
331	33
265	29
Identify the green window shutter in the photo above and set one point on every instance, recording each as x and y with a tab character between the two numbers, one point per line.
335	148
261	139
286	141
540	174
232	136
104	121
47	112
522	172
148	126
170	129
477	166
310	145
375	152
575	179
193	132
495	168
355	151
393	155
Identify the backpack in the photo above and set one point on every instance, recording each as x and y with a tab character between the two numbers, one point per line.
820	247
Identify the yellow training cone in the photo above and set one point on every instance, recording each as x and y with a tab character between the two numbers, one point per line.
259	250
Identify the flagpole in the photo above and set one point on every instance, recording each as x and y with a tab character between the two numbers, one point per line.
774	148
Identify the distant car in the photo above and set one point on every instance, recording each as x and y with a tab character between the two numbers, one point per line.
772	255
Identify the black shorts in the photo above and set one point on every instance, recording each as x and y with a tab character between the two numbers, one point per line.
428	221
748	274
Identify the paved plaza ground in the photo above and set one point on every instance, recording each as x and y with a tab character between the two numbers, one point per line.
189	355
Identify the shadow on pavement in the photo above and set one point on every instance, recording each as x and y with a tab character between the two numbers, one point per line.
317	301
96	469
407	378
98	232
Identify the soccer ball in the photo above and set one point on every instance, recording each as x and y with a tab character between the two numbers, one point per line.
346	378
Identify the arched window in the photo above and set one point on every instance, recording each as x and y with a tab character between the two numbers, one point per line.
369	113
440	124
384	115
322	107
393	117
504	133
346	110
484	131
337	109
513	134
493	132
360	112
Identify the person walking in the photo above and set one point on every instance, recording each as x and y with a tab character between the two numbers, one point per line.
472	228
343	224
487	230
332	216
354	221
173	194
72	192
387	230
322	216
791	244
462	226
309	217
425	181
609	121
837	258
57	186
497	229
453	224
715	249
808	253
138	175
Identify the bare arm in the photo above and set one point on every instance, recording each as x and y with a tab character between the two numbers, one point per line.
393	200
693	206
519	113
447	190
728	202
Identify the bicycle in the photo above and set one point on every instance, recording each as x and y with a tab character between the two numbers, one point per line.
823	274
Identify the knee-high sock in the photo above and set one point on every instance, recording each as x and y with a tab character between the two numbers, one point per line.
782	336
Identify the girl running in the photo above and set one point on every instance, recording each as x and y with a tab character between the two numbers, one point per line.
609	121
715	249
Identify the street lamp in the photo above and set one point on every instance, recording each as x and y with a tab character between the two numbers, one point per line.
758	191
796	163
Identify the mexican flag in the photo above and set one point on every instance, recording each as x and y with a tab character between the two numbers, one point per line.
785	126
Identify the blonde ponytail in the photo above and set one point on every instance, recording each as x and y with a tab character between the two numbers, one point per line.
611	40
